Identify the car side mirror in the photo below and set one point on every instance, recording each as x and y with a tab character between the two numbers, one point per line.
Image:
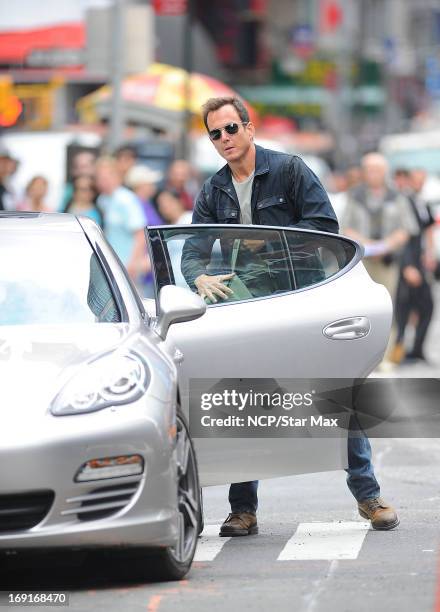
177	305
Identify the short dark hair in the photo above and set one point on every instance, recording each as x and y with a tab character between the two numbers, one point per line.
126	149
214	104
401	172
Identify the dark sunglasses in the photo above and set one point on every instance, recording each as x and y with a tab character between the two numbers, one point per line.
231	128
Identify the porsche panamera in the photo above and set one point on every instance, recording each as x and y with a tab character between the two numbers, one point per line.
95	448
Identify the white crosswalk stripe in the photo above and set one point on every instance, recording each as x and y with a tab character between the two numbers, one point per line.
311	541
210	544
326	541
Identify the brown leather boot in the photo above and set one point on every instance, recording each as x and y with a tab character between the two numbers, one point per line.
382	515
397	353
239	524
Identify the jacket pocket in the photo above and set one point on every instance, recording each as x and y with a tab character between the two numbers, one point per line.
274	211
275	200
228	215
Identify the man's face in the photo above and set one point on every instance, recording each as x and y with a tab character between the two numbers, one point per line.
232	147
124	161
7	167
179	173
374	174
417	179
107	179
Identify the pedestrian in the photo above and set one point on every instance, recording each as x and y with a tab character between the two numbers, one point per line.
252	174
124	219
126	158
180	179
402	180
414	294
381	219
83	200
35	195
8	166
143	182
353	176
171	208
82	163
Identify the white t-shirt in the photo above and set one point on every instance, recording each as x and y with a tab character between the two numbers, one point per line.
244	194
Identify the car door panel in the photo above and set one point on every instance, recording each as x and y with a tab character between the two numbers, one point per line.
282	337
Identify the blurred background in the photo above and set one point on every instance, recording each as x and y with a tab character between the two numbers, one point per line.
330	79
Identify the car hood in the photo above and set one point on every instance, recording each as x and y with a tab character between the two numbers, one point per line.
35	361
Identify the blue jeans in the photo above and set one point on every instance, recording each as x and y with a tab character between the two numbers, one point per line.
360	478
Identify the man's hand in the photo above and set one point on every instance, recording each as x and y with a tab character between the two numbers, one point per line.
253	245
211	286
412	276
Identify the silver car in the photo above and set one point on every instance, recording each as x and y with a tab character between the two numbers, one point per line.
98	385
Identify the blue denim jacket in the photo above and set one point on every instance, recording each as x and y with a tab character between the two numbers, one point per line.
285	193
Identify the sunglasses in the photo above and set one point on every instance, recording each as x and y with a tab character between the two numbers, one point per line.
231	128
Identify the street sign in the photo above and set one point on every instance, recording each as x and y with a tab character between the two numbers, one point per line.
302	40
170	7
432	76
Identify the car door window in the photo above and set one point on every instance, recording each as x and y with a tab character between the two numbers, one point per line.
317	257
265	261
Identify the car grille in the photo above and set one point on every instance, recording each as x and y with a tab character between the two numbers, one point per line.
24	510
102	502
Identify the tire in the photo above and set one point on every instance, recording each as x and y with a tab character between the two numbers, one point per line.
201	520
174	562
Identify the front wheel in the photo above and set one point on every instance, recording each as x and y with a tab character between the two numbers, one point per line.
173	562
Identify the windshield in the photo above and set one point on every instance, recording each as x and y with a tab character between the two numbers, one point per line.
49	277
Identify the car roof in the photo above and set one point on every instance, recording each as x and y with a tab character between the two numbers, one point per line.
42	221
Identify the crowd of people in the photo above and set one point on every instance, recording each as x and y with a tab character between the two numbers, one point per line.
387	214
120	193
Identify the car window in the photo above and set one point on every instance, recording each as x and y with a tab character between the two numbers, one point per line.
316	257
258	260
49	277
265	261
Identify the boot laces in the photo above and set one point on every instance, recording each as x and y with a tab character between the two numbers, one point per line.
373	504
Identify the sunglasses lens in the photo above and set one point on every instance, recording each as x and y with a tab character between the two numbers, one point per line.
232	128
215	134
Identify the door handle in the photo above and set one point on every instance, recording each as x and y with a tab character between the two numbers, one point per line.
178	356
348	329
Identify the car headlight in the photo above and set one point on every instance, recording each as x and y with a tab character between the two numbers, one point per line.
118	378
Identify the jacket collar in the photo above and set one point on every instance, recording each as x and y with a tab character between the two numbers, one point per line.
223	176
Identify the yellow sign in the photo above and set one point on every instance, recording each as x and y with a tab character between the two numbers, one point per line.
28	105
10	105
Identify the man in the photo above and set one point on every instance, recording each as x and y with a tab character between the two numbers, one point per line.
418	260
124	219
253	175
143	182
126	158
179	177
381	219
402	180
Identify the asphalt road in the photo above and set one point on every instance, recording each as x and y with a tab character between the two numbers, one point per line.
394	571
313	553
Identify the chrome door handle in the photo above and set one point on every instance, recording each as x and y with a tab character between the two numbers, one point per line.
178	356
348	329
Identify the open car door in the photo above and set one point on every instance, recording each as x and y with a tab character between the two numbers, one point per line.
303	308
